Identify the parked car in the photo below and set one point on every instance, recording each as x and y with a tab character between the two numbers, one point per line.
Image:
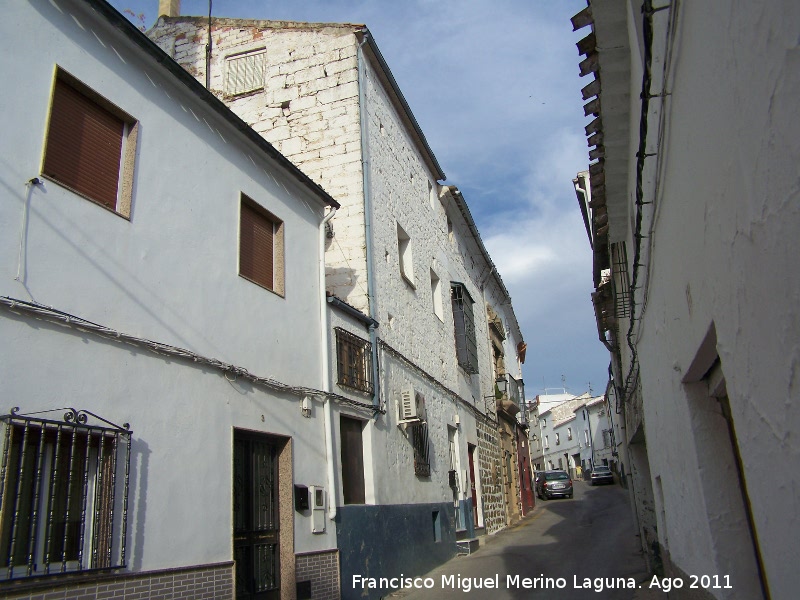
601	474
554	483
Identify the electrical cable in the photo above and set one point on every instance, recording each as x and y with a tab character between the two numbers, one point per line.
55	315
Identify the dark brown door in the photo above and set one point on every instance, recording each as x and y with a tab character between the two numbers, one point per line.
471	451
255	516
352	461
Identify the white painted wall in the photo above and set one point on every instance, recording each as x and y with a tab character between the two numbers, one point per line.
725	219
169	275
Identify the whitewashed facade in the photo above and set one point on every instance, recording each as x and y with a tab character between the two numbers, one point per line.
136	313
403	251
692	203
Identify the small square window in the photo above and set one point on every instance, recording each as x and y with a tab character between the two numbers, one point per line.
90	145
245	72
405	255
261	247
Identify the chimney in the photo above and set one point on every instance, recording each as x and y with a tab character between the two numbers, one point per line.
169	8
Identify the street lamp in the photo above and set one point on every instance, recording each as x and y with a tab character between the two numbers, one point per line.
502	384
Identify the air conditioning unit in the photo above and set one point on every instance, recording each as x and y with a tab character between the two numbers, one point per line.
409	405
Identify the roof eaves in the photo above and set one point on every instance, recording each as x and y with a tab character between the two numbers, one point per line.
128	29
458	198
365	33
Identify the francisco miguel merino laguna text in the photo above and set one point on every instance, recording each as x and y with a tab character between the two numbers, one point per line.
466	584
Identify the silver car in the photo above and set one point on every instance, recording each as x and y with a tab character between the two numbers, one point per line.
601	474
554	483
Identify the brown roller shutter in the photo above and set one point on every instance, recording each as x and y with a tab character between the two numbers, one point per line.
256	245
84	145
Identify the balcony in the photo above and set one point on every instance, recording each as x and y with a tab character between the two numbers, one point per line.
510	393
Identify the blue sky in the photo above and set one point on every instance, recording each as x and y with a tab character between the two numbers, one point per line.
494	85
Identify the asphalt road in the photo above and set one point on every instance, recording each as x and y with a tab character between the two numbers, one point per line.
563	542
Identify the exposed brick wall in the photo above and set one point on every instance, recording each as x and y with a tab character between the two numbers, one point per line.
322	569
209	582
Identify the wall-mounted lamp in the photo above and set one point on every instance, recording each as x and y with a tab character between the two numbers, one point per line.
305	407
502	384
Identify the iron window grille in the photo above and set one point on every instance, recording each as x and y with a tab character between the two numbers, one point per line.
464	324
419	439
63	493
622	293
354	361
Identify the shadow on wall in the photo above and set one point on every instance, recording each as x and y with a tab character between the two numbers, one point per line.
342	281
140	463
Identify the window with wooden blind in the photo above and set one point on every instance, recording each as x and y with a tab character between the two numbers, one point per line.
260	246
90	145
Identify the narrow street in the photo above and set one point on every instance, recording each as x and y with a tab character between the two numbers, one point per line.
588	537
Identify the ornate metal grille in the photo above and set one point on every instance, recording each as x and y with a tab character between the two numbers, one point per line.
419	439
63	493
255	516
464	323
354	360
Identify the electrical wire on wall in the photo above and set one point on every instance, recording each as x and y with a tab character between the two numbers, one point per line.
228	370
632	378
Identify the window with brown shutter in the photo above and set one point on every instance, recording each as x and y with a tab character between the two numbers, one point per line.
260	246
90	145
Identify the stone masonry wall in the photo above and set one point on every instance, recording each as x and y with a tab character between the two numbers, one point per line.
494	513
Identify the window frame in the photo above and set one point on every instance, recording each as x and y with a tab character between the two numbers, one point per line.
436	295
405	256
345	341
277	286
79	177
255	53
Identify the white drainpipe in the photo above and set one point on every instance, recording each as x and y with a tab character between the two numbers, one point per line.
330	456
